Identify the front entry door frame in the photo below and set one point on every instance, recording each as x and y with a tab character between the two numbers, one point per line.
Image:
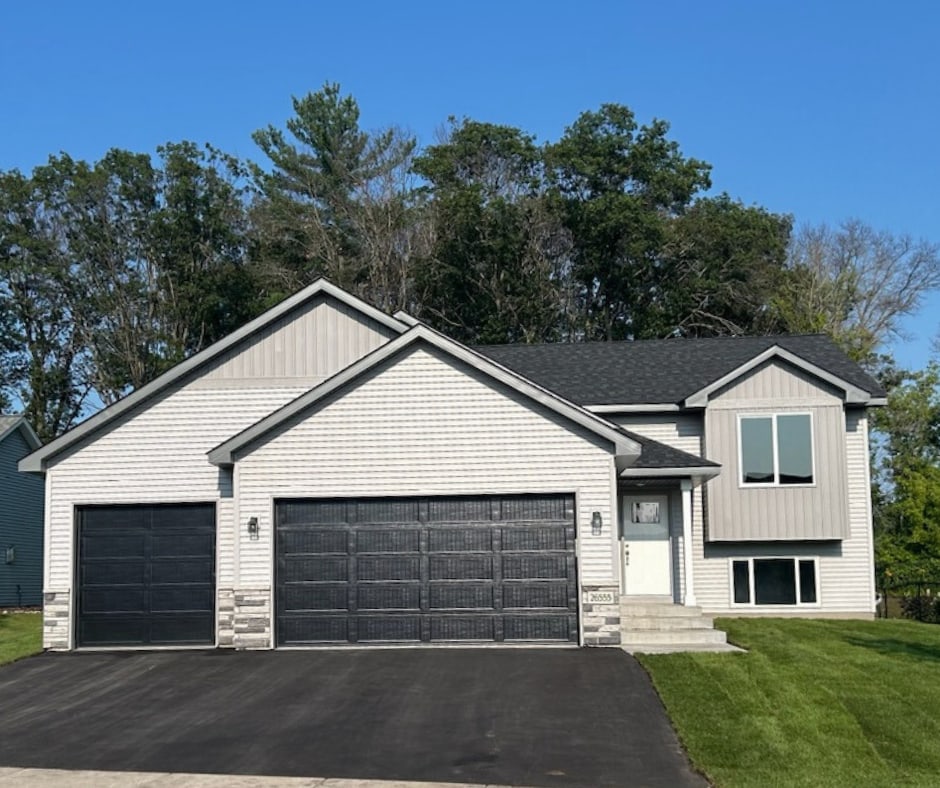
646	544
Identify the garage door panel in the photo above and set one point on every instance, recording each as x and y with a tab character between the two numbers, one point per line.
463	628
426	569
441	540
312	629
461	567
123	599
383	540
118	572
114	631
452	596
313	567
314	597
314	540
389	596
181	544
118	545
535	628
146	575
534	538
535	567
169	599
536	595
460	510
388	567
389	628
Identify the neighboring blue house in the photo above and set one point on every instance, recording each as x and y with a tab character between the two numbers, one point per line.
21	505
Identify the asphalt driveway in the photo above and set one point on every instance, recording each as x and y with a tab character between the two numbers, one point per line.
535	717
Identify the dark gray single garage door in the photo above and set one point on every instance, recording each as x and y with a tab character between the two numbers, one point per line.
146	575
426	570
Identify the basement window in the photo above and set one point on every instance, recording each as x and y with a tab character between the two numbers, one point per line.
775	581
776	449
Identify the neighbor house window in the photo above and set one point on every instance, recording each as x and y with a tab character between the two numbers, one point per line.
774	581
776	449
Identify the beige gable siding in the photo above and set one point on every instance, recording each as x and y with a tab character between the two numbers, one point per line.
426	425
312	343
738	512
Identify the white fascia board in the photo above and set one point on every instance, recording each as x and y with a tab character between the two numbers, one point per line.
647	407
404	317
36	462
223	454
704	471
853	394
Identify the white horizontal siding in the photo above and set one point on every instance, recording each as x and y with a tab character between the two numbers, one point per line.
427	425
156	456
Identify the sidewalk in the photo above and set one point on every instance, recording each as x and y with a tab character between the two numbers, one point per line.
39	778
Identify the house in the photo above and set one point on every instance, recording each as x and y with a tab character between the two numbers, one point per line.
333	474
21	501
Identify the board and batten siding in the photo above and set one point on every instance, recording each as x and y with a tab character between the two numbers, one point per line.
738	512
311	343
846	575
425	424
158	453
21	523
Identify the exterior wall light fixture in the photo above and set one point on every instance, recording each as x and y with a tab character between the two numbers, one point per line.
253	528
596	524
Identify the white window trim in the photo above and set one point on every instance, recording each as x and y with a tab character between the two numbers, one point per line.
772	415
750	578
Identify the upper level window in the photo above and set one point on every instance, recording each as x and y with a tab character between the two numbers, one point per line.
776	449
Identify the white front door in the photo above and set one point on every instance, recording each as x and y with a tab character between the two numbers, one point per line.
647	564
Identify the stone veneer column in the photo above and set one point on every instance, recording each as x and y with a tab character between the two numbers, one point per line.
600	615
251	618
55	620
226	622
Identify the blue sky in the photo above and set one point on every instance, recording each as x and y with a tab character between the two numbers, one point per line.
825	110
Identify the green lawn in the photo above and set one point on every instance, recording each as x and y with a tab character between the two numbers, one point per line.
814	703
20	635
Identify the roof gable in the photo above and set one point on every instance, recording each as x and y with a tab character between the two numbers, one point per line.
37	461
625	445
11	424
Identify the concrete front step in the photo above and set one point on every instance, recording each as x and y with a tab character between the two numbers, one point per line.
657	610
674	648
665	622
667	637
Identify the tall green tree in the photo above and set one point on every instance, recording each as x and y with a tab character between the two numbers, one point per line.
494	271
338	201
44	361
906	492
619	186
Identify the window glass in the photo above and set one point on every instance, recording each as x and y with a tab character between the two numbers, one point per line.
742	583
774	581
757	450
808	582
794	449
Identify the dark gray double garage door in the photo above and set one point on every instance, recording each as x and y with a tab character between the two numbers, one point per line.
421	570
426	570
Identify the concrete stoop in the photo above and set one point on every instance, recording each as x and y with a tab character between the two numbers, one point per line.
659	626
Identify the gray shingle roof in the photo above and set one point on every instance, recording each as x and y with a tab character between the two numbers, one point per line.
660	370
6	422
659	455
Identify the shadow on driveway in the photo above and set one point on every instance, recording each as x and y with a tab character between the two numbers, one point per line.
535	717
